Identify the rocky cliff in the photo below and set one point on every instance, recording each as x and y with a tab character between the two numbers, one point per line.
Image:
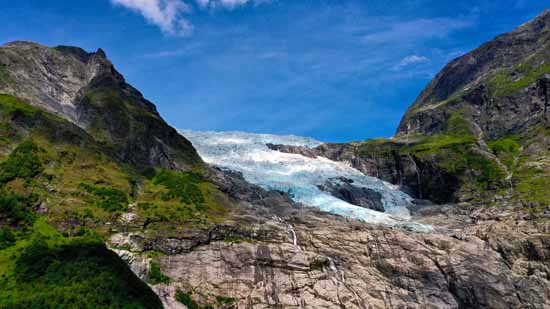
85	89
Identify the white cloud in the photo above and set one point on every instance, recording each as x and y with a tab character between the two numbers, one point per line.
168	15
410	60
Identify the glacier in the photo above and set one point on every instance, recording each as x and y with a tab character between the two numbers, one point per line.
298	175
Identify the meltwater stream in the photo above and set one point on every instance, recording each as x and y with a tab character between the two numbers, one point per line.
298	175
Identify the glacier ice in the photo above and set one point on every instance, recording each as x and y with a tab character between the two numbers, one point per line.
298	175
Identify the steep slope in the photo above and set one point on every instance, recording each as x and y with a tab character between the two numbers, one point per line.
68	172
85	89
478	133
502	87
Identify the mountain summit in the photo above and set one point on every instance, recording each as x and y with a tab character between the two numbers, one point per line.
87	90
502	87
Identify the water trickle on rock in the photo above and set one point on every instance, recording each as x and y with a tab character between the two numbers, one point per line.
298	175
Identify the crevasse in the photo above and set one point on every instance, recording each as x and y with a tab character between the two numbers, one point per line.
298	175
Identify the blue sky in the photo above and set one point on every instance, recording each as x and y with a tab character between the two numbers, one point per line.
333	70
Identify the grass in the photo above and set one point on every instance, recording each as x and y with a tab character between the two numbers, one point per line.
155	274
7	238
504	84
532	186
189	302
178	199
107	198
507	149
16	209
182	186
12	106
24	162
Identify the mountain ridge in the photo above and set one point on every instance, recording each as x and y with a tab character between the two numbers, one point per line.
87	90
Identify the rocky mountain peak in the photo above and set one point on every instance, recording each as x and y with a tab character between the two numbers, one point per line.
86	89
497	73
51	78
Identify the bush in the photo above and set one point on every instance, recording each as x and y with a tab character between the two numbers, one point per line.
183	186
110	199
155	275
16	208
7	239
23	162
59	272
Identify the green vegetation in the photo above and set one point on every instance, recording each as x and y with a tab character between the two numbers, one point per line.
44	269
532	187
4	75
224	300
506	83
453	150
167	212
13	107
183	186
155	274
174	198
15	208
24	162
7	238
109	199
187	300
506	149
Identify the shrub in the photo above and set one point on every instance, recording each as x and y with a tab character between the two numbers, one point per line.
16	208
58	272
24	162
110	199
7	239
506	149
183	186
155	274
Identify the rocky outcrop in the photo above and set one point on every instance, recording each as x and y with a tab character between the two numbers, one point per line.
500	86
315	260
419	177
85	89
345	190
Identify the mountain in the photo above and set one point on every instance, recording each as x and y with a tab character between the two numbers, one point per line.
501	88
478	133
85	89
103	204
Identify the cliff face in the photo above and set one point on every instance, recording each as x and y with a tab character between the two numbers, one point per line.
501	87
85	89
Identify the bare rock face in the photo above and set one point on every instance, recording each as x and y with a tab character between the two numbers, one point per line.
50	78
314	260
85	89
346	191
501	86
272	253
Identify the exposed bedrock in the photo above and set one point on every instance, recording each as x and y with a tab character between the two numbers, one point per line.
345	190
